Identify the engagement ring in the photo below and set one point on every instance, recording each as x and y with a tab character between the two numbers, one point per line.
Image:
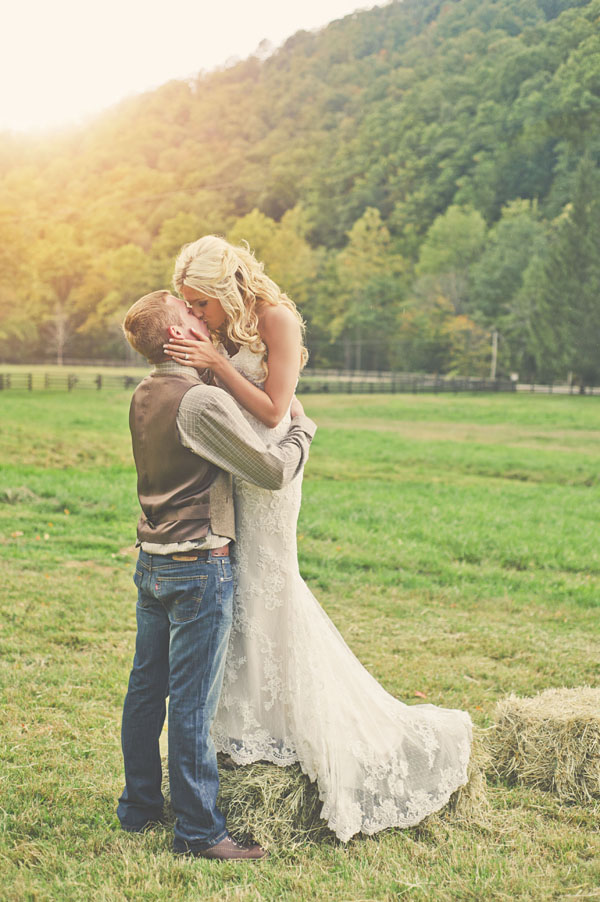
186	355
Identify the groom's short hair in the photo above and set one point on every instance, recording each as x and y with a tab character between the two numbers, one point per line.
146	323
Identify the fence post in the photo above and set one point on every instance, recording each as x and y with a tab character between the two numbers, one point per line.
29	381
1	381
46	380
71	380
99	381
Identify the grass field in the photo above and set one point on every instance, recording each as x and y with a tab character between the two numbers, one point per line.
453	540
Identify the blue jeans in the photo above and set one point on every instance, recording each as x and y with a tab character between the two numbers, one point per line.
184	613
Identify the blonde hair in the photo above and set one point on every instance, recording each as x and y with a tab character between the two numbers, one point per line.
146	323
237	279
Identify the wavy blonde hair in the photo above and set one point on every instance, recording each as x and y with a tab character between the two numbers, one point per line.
234	276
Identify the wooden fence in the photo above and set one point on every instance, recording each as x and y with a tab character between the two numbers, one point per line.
311	382
66	381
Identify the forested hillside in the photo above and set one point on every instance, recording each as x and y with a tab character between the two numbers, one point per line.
416	177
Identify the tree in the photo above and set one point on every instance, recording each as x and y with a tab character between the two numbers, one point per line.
433	339
469	347
435	115
17	326
371	283
113	282
452	245
569	314
60	263
424	342
497	280
174	232
282	247
497	277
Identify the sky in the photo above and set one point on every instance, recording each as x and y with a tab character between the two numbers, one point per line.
62	61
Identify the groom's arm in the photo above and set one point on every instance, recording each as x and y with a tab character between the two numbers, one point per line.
211	425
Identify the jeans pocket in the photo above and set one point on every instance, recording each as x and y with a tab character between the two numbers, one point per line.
183	603
139	577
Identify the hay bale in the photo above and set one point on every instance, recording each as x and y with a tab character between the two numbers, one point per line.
550	741
280	807
277	806
470	804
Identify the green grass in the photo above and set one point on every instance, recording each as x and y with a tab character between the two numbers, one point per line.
453	540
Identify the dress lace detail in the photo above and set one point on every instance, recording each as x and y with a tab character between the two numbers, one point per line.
294	692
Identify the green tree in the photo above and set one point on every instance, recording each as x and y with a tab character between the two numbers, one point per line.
432	338
424	341
452	245
568	327
282	247
114	280
60	263
469	348
18	326
512	246
497	276
437	115
371	283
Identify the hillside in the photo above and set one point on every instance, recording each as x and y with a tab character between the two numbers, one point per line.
409	174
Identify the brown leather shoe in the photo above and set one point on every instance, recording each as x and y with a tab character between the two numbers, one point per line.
230	849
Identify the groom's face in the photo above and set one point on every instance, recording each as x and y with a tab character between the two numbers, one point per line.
188	320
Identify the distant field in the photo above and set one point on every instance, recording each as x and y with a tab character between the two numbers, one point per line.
454	542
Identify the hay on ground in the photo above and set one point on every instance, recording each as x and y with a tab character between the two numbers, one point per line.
550	741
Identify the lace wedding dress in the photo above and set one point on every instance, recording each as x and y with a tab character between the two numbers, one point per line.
294	692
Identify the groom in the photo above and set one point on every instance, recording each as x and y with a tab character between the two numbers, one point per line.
188	438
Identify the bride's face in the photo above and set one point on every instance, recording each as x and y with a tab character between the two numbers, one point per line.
205	307
188	320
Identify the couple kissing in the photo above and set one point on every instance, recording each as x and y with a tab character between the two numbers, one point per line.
226	627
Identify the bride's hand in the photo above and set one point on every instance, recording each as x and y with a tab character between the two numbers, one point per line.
200	354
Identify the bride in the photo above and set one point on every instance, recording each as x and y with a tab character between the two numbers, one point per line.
293	690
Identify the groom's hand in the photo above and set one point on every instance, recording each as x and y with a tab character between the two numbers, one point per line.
296	408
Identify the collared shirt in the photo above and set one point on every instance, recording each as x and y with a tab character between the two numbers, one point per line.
212	426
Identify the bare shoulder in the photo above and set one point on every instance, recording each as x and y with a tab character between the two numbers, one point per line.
278	324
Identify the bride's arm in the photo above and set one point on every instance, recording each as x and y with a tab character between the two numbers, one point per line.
280	332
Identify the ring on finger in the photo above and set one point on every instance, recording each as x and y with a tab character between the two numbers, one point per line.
186	355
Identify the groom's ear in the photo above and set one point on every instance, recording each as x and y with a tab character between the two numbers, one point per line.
175	332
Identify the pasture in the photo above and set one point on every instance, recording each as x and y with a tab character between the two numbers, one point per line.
454	542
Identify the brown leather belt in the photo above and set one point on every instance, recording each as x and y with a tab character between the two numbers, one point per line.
200	554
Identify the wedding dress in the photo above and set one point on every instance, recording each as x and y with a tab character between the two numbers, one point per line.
294	692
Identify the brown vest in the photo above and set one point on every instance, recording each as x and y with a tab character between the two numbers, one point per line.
173	482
